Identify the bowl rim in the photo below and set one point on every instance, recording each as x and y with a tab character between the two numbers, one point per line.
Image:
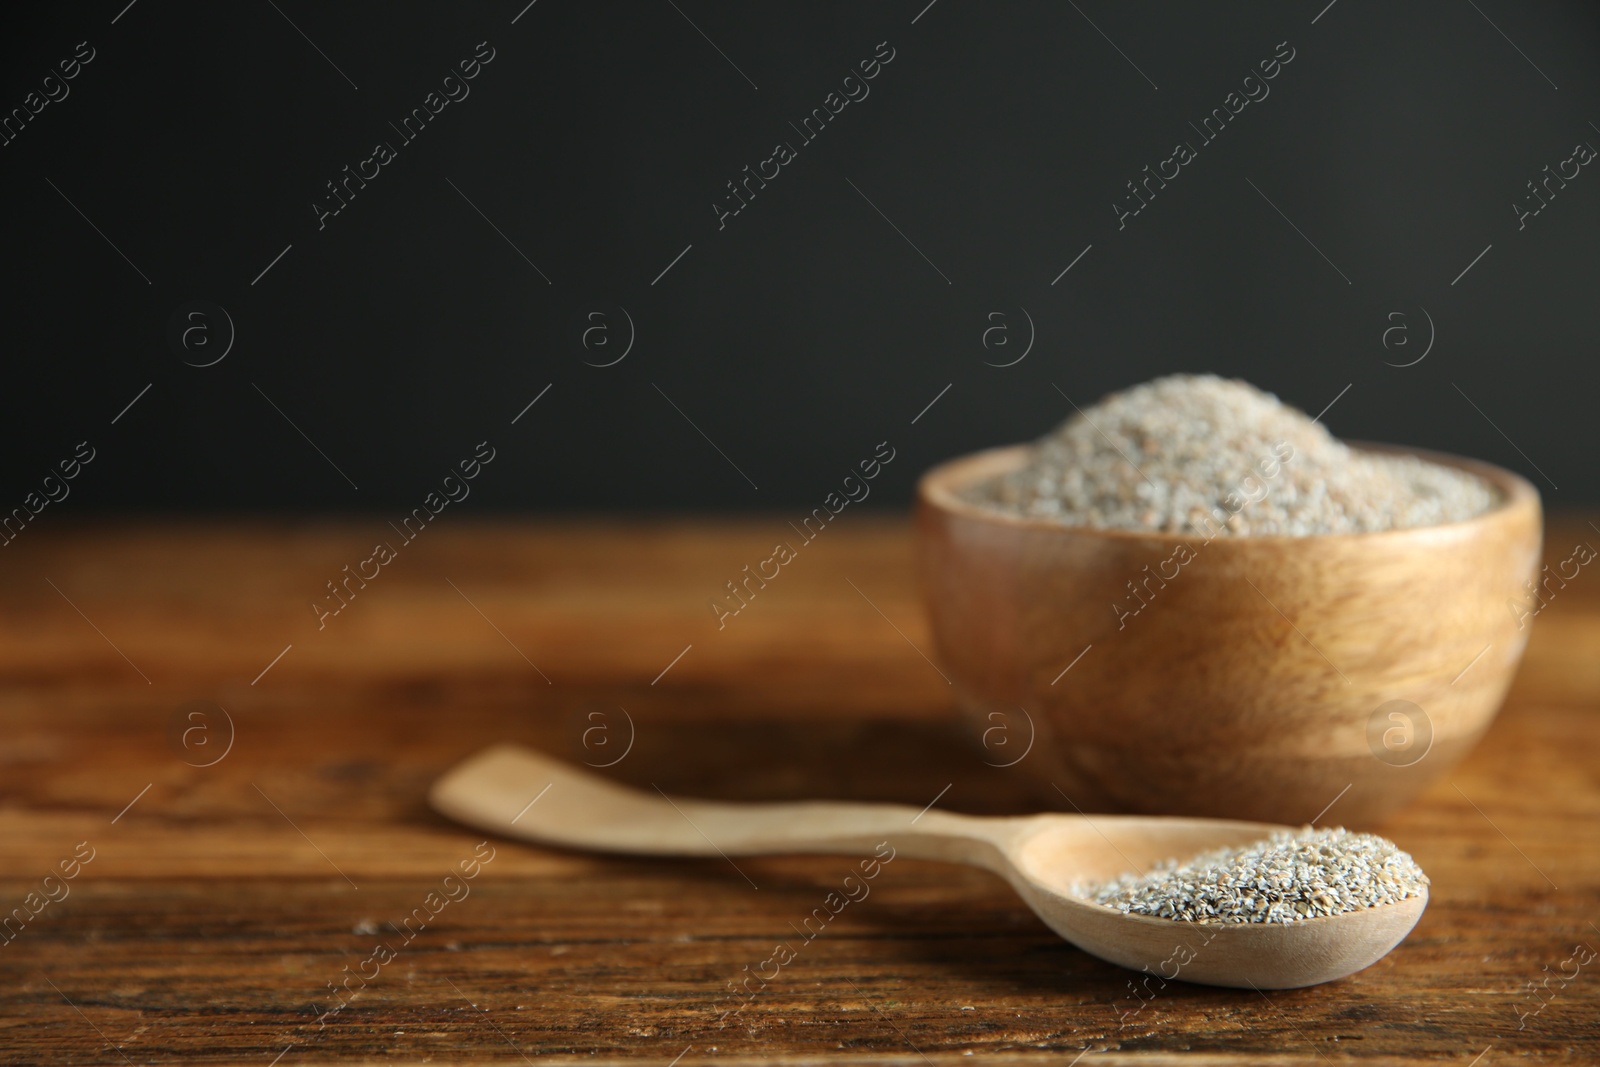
939	487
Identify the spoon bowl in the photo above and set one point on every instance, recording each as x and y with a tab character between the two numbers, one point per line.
519	793
1065	851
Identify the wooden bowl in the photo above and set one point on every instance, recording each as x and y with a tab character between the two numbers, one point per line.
1256	678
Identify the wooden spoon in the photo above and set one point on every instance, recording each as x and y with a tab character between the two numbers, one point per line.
516	792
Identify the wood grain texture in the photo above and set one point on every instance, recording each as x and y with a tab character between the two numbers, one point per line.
220	905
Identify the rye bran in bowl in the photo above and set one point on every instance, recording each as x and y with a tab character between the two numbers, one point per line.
1199	600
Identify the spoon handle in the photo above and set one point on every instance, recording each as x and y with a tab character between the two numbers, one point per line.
520	793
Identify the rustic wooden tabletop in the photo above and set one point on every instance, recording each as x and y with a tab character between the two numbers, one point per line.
212	816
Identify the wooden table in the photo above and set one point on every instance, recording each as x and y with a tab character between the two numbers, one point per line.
222	901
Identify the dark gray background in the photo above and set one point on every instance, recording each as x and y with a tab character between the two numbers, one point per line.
808	329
